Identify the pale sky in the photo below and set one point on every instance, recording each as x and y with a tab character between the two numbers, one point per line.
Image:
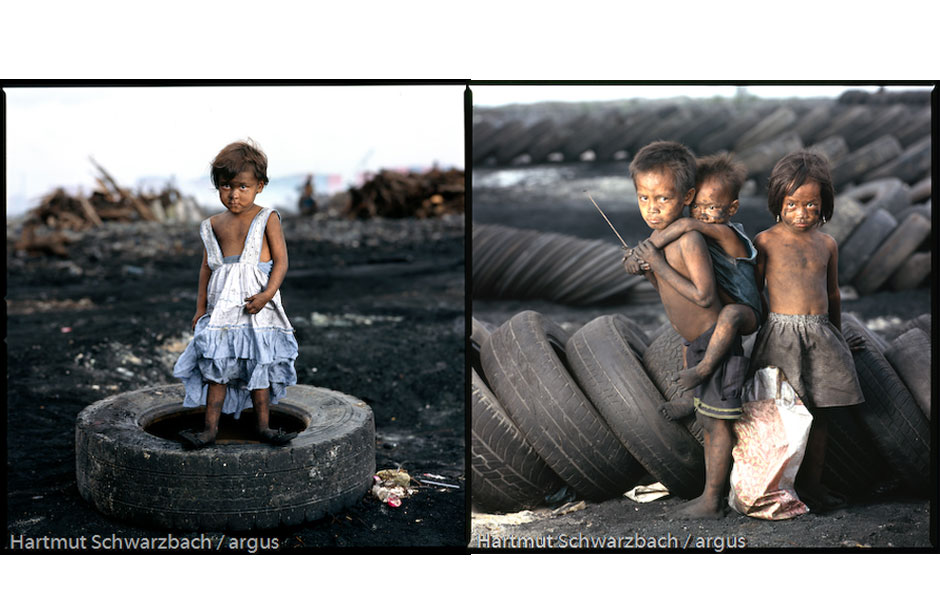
137	132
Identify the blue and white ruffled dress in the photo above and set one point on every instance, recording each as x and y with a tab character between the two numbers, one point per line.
230	346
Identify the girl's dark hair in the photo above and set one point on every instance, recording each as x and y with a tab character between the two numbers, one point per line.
723	168
672	156
792	172
238	157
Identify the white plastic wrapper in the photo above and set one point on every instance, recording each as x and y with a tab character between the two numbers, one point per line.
771	440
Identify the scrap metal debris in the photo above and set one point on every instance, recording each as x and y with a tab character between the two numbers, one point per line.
45	231
395	194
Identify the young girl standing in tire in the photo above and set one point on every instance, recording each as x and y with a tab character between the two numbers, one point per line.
802	335
243	348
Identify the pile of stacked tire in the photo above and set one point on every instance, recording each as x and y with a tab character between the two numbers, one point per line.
878	146
582	410
510	263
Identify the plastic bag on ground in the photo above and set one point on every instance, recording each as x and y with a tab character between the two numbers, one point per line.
771	441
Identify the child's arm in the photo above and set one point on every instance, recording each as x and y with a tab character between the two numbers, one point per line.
201	300
832	283
278	247
759	268
699	288
726	237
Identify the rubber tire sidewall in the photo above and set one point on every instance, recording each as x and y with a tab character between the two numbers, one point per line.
130	474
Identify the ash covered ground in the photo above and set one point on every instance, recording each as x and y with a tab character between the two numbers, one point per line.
551	198
378	309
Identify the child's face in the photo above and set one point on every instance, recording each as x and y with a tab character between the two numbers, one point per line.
238	194
713	203
801	211
660	202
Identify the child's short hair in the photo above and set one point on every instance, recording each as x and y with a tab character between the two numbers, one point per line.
723	168
672	156
238	157
795	169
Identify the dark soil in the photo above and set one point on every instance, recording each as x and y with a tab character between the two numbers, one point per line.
551	198
378	309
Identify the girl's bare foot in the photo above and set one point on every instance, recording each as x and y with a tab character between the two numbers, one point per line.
276	437
701	508
195	441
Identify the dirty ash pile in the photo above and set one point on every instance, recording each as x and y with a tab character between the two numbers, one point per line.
378	309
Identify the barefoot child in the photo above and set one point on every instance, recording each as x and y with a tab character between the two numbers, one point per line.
802	335
718	181
664	176
243	348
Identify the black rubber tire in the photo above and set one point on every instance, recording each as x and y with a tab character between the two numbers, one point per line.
909	355
130	474
483	131
479	332
923	209
510	263
524	360
724	139
893	252
887	120
507	474
510	149
814	121
889	193
923	322
771	126
662	360
896	425
508	134
912	272
861	161
920	191
833	148
846	217
909	166
855	252
852	465
604	362
549	142
916	128
846	121
760	160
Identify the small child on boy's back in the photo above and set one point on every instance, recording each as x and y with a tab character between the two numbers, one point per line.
802	335
718	181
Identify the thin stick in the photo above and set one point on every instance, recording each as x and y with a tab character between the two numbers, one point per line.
606	219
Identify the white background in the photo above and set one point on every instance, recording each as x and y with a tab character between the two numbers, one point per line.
481	40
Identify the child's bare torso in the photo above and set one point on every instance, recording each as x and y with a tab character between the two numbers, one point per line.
688	318
796	270
231	230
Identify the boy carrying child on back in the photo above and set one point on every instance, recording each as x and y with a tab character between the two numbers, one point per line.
718	181
664	174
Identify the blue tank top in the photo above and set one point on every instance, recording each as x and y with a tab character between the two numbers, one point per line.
735	275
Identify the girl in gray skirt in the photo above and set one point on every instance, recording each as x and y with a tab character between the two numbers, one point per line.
802	334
